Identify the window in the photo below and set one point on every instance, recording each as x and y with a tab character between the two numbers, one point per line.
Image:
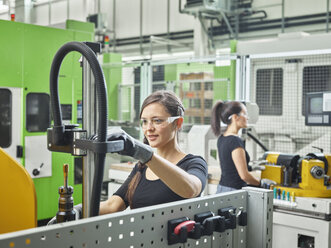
37	112
315	79
5	118
269	91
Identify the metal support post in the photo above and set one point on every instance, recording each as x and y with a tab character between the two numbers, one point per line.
327	15
200	37
114	25
247	83
68	9
89	124
283	16
239	78
145	83
141	27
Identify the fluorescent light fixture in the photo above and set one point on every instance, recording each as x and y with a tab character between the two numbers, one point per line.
160	56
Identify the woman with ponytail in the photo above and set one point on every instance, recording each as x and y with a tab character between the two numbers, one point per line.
233	157
162	175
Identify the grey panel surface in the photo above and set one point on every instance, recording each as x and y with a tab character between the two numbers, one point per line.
259	218
145	227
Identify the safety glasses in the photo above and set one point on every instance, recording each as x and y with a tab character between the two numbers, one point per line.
158	122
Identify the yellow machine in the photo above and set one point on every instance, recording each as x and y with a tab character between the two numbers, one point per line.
18	208
307	176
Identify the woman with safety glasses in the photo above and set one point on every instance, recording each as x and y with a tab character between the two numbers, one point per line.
233	157
166	174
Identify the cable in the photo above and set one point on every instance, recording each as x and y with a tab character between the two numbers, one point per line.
257	141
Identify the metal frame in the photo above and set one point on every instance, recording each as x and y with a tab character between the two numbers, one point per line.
288	54
193	60
147	227
89	124
239	78
120	88
145	81
246	67
260	218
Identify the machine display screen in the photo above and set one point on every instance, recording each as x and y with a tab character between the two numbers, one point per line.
5	118
316	105
317	109
38	117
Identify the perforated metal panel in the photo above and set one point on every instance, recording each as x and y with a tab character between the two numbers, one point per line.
147	227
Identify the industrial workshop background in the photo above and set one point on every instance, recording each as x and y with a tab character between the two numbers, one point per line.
278	83
275	54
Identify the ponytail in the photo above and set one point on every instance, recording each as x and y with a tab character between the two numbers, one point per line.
216	117
222	111
135	180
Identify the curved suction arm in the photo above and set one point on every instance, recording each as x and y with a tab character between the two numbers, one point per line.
58	134
257	141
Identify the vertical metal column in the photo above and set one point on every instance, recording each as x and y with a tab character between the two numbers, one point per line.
237	19
49	12
259	217
200	37
327	15
168	25
145	83
68	9
141	27
239	79
114	25
89	124
283	16
247	69
243	78
23	10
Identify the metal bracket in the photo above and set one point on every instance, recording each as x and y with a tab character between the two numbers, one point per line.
73	140
99	147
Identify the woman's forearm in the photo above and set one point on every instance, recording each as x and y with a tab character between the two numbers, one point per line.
250	179
178	180
112	205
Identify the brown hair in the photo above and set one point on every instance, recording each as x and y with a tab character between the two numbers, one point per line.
174	107
222	112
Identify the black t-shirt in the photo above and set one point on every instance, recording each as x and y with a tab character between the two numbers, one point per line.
152	192
229	173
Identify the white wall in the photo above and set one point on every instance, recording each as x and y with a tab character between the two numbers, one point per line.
155	13
155	16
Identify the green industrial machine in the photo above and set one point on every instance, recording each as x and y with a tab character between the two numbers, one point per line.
26	53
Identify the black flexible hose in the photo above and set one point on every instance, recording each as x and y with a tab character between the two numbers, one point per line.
101	91
257	141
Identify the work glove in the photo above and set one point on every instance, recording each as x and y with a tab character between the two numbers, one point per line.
132	147
266	183
79	214
257	165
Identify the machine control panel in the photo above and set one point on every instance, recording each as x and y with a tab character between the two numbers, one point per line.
318	109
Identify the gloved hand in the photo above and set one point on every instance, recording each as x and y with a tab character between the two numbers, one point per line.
257	165
132	147
78	210
266	183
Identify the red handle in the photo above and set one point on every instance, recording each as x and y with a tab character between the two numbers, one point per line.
189	225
